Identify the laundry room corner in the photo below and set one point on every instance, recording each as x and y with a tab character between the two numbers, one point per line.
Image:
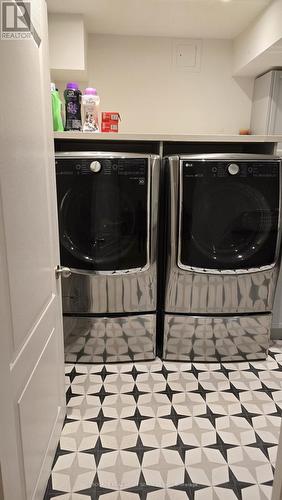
140	235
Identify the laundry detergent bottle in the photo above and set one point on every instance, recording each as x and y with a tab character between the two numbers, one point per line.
56	109
90	103
72	97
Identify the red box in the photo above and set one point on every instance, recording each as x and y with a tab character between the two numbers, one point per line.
110	127
110	121
109	116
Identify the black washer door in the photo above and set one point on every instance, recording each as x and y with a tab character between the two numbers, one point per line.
103	216
229	221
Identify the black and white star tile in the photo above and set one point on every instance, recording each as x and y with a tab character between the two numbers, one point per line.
162	430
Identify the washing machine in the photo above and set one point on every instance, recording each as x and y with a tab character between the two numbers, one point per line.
108	209
223	247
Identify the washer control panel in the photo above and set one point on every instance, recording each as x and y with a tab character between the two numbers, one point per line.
113	167
224	169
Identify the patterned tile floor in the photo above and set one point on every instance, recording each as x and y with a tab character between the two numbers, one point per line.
157	431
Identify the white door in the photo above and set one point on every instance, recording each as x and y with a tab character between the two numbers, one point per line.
277	483
31	340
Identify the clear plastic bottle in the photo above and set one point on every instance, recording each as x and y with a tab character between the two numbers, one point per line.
90	102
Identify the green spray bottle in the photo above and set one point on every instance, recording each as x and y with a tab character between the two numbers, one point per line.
56	109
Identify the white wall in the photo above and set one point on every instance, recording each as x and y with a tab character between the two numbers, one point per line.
136	76
252	48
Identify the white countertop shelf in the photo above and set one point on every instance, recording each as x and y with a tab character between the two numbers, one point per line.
166	137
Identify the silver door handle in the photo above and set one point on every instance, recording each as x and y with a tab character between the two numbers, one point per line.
65	272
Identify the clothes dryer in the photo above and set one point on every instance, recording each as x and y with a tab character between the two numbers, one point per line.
223	247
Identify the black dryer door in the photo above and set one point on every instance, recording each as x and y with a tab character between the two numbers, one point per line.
229	216
103	214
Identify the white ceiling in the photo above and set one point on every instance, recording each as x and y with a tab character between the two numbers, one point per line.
176	18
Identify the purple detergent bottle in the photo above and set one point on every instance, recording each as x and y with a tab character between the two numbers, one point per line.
72	97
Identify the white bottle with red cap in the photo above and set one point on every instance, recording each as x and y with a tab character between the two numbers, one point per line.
90	102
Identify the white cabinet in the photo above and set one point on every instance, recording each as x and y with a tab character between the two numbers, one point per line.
67	46
266	117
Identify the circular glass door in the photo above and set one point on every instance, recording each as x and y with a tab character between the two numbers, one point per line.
230	223
96	226
229	214
224	225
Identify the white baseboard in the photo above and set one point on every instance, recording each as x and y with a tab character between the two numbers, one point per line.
49	456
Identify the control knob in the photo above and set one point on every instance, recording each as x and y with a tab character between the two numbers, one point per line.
95	166
233	169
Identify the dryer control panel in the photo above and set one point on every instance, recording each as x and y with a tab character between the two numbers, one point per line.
196	168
